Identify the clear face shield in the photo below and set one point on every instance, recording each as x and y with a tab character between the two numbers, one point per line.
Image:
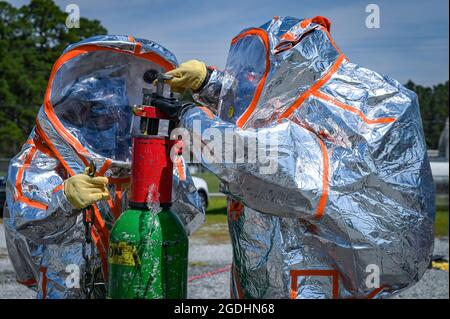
93	99
245	69
98	114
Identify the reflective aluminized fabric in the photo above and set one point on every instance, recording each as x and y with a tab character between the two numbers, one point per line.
351	194
86	116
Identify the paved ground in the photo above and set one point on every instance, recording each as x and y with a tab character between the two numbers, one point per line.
208	271
434	284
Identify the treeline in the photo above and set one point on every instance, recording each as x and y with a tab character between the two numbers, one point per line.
433	108
33	36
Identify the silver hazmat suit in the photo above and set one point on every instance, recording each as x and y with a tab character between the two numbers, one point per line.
351	195
86	116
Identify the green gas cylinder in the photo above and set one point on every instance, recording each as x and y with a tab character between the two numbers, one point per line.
148	256
148	246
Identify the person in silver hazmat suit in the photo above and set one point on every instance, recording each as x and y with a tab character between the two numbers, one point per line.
347	208
86	116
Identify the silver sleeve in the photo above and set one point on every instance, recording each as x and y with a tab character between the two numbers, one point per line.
265	169
186	202
209	94
39	210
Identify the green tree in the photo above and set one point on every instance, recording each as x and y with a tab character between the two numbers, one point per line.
32	37
433	108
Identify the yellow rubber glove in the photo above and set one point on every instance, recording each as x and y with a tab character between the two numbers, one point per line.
82	190
189	75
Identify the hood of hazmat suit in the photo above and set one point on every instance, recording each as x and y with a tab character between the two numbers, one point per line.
86	116
340	202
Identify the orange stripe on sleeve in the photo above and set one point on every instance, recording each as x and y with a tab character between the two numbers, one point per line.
118	202
207	111
22	169
100	224
105	167
41	133
58	188
313	88
43	271
102	251
352	109
375	292
325	173
180	168
20	174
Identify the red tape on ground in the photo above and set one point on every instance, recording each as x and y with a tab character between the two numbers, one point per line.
209	274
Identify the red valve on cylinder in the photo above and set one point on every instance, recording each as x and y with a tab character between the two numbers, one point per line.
152	166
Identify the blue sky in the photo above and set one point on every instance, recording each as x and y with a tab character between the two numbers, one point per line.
412	42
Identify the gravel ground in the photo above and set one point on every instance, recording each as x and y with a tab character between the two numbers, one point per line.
9	288
205	258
